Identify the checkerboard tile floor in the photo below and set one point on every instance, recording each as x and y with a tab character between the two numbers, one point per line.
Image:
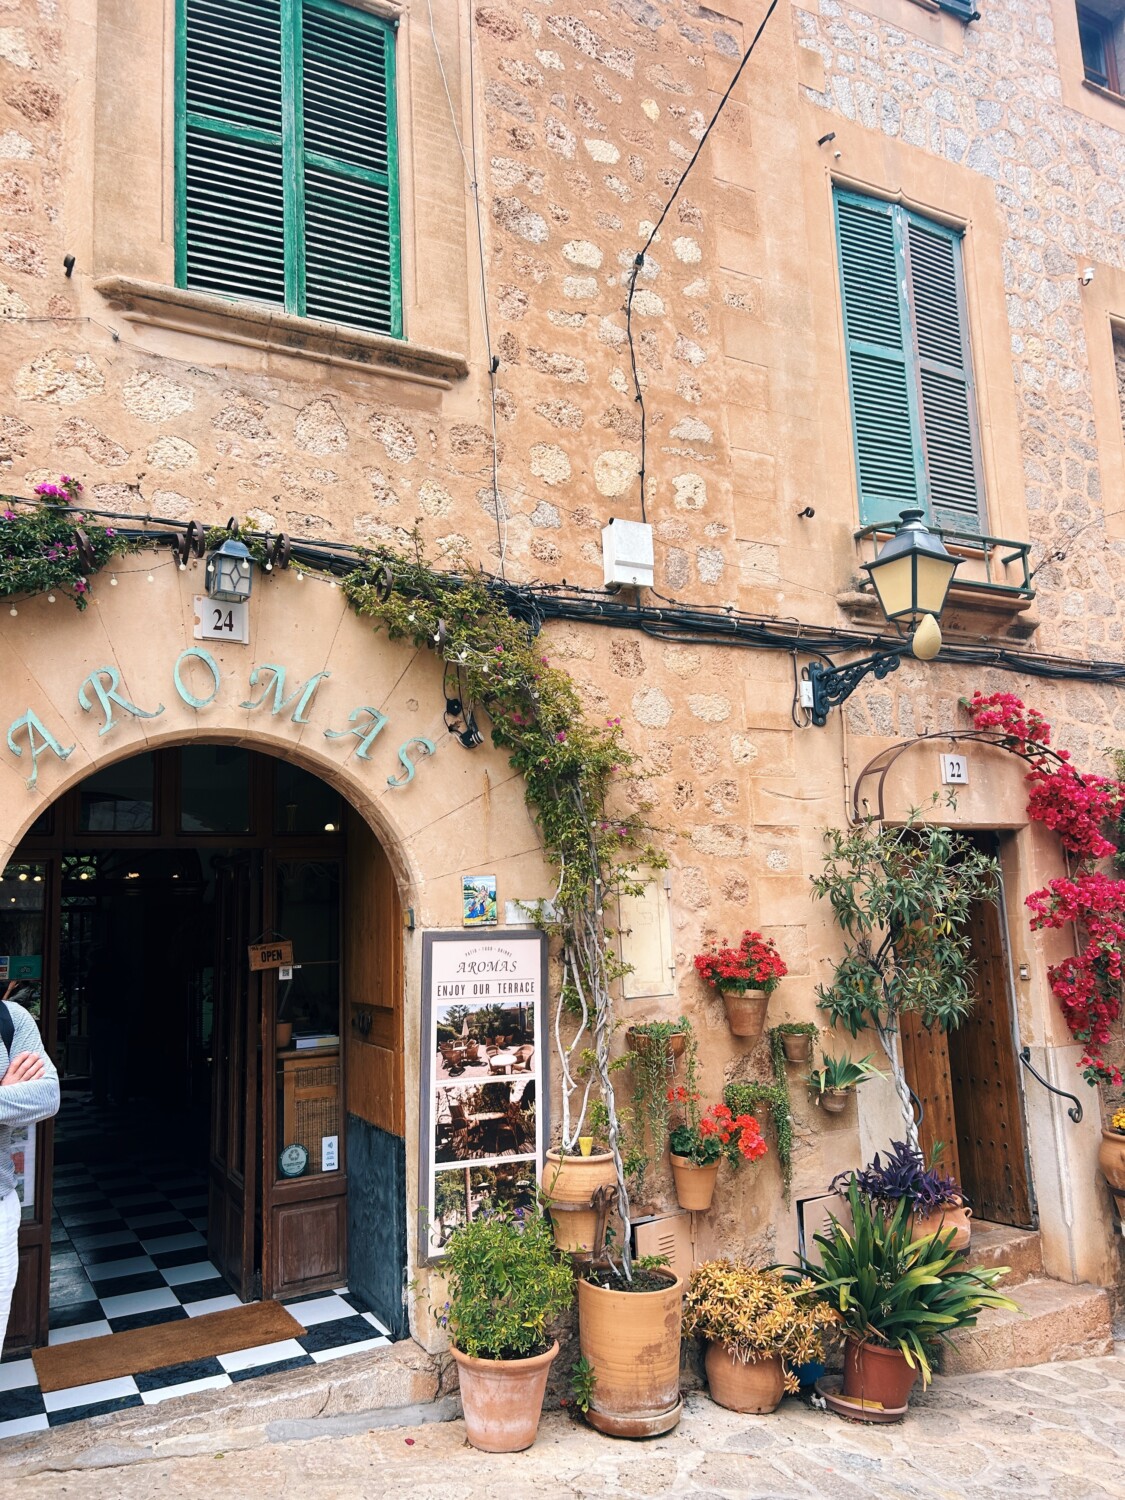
129	1249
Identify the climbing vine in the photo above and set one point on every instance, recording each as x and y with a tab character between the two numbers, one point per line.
1079	807
745	1098
581	781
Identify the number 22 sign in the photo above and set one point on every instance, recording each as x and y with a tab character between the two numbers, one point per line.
219	621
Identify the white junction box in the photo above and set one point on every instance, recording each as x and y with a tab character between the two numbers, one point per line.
627	555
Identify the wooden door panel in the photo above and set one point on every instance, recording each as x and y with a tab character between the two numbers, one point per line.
309	1241
986	1085
925	1056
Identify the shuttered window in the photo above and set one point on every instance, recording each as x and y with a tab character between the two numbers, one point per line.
913	407
286	160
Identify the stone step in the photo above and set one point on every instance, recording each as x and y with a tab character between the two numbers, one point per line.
1056	1321
1003	1245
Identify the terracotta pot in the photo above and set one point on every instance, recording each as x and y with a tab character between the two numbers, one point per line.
835	1101
954	1216
503	1399
695	1186
746	1013
672	1046
1111	1159
872	1373
570	1182
797	1047
632	1340
283	1034
756	1386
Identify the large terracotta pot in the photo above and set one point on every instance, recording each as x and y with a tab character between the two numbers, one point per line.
695	1186
632	1340
835	1101
954	1216
746	1012
872	1373
756	1386
1111	1159
672	1046
797	1046
569	1183
503	1399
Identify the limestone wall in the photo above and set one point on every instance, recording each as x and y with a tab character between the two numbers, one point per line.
583	118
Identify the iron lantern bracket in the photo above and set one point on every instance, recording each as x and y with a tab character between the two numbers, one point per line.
831	685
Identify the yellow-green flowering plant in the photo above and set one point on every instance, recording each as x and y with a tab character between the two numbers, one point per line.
756	1314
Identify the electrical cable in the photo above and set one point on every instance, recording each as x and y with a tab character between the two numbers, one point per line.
639	258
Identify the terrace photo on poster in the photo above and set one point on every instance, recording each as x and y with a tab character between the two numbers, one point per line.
462	1193
479	1122
482	1041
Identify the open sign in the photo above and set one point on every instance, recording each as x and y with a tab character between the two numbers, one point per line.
271	955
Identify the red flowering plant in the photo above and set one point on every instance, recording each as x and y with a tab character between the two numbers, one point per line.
714	1134
1079	807
754	965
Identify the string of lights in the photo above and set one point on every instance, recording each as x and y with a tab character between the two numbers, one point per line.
538	604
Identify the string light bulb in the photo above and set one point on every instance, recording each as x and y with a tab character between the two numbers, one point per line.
13	611
113	580
50	598
149	579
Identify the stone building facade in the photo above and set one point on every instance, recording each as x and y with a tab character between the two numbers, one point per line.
576	122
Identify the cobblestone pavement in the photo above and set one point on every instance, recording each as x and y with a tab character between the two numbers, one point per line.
1054	1430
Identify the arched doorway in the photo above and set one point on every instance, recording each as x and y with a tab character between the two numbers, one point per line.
231	1128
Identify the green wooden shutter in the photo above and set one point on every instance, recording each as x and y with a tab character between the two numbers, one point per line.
230	188
883	398
966	9
286	156
351	270
947	400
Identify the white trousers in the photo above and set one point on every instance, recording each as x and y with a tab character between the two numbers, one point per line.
9	1256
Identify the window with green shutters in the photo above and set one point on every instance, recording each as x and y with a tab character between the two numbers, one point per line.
286	159
913	407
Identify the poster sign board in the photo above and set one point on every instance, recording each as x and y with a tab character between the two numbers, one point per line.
484	1076
271	955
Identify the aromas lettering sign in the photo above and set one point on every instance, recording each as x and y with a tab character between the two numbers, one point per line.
196	680
484	1095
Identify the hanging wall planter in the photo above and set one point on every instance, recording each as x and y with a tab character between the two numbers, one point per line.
745	976
746	1012
695	1186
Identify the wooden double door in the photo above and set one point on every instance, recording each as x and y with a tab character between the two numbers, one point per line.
969	1086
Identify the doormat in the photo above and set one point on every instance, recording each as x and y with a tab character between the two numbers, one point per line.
175	1343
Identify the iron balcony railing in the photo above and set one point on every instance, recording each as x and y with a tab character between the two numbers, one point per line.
993	566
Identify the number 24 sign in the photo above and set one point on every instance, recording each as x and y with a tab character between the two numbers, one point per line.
219	621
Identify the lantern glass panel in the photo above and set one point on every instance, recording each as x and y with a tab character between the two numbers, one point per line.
894	583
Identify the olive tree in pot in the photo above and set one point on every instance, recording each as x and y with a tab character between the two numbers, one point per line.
902	898
506	1286
896	1298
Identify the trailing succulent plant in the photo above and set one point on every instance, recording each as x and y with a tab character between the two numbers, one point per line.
904	1175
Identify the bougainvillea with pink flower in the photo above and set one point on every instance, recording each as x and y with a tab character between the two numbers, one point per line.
49	548
1077	806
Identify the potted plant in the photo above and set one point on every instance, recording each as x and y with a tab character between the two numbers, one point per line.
902	897
505	1287
653	1047
1111	1158
796	1039
701	1140
935	1202
837	1079
575	1185
758	1324
896	1298
745	976
629	1336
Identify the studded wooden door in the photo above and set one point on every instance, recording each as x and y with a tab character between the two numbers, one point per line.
987	1100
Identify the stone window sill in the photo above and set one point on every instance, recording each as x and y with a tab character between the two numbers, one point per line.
1096	88
204	315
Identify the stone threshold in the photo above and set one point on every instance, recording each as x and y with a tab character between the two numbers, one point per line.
398	1386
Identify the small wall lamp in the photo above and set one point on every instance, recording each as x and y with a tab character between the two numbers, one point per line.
230	572
911	576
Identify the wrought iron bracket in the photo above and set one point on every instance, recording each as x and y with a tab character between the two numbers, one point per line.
831	685
1075	1110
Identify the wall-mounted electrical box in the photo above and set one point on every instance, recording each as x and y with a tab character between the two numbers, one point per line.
627	555
666	1234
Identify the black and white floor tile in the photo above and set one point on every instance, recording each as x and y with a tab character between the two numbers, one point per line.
128	1250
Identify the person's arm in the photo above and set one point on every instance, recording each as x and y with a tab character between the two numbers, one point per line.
28	1102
